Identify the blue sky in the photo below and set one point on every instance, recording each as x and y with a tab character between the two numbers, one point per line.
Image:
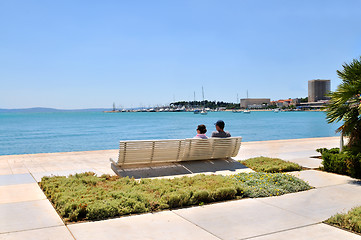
88	54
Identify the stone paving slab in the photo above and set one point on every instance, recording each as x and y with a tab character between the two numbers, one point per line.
242	218
320	179
319	204
287	149
28	215
21	193
16	179
162	225
315	232
52	162
105	169
51	233
306	162
5	170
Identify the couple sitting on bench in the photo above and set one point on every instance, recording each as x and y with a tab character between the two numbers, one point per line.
220	133
220	146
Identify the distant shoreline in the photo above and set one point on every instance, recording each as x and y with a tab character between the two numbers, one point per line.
105	110
231	110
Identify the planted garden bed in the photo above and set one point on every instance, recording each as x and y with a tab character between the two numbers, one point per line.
350	221
88	197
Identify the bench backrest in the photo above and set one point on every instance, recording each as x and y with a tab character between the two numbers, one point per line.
212	148
174	150
149	151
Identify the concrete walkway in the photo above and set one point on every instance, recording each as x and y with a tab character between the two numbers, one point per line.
25	213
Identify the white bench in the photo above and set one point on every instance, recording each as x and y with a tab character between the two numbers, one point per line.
140	152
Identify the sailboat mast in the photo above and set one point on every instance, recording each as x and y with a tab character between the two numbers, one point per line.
203	93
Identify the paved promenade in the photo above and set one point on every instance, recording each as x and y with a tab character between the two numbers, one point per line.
25	213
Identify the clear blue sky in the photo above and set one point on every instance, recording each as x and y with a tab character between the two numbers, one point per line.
84	54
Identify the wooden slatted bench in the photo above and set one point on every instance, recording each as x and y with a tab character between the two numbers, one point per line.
146	152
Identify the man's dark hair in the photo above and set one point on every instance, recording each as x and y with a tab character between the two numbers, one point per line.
220	124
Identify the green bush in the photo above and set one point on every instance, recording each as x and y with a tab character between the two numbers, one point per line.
332	150
270	165
348	162
87	197
350	220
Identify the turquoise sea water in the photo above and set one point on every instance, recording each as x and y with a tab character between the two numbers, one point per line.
25	133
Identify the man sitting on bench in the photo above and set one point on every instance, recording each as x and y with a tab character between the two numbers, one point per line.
220	133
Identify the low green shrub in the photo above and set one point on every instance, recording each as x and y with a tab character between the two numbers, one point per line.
87	197
270	165
350	220
260	184
348	162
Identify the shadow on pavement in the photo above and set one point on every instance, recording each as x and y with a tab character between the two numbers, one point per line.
180	168
355	182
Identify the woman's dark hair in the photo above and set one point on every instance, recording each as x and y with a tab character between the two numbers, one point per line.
202	129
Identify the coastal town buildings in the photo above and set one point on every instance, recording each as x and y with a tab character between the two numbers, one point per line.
316	100
284	102
255	102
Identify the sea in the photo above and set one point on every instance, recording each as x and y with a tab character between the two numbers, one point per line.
28	133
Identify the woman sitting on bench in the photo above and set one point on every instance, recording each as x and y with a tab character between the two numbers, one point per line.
201	132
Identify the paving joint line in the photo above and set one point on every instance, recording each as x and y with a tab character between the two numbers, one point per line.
12	172
197	225
280	231
69	231
339	184
34	200
31	229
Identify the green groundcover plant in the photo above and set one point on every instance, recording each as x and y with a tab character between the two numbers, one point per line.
350	220
271	165
88	197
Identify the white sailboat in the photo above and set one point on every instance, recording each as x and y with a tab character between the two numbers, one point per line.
247	110
235	110
204	111
196	111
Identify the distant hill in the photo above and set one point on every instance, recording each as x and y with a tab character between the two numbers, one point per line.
44	110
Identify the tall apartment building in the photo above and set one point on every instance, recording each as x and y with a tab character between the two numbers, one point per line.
317	90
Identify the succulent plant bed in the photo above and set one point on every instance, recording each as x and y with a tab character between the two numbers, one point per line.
350	221
270	165
84	197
